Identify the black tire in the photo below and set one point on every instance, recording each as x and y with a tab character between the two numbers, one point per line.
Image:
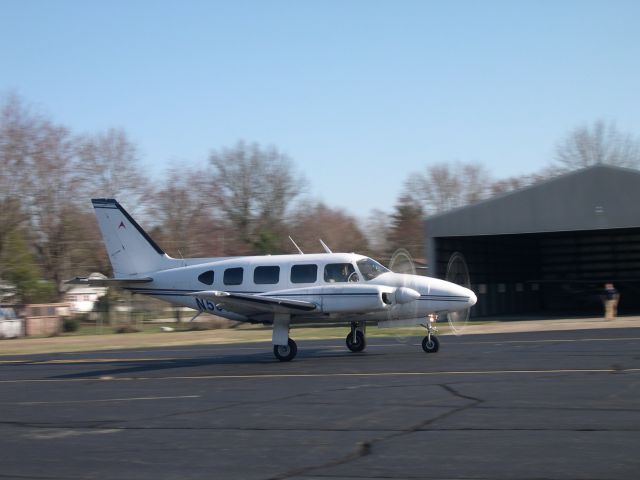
360	343
430	346
285	353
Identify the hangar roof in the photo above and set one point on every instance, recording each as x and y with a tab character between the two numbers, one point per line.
593	198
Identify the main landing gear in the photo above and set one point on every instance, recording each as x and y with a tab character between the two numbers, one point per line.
284	348
285	353
356	341
430	343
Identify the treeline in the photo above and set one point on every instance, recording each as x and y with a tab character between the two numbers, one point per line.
247	200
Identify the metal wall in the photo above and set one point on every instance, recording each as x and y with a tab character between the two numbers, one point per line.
552	273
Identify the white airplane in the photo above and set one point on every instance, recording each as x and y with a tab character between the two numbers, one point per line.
278	289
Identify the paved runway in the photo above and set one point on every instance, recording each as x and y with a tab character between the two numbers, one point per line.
546	405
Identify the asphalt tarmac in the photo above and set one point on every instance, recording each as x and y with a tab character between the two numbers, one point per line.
544	405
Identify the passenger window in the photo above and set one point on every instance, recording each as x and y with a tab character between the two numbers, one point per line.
206	277
233	276
304	273
266	275
340	272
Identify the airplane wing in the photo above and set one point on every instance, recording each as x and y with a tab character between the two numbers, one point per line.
248	304
107	282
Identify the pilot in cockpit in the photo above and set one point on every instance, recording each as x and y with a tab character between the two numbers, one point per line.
339	272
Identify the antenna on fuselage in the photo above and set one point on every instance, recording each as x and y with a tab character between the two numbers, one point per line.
326	249
296	245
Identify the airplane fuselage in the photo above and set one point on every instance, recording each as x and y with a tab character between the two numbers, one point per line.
340	284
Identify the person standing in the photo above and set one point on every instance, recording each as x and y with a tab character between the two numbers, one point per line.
610	298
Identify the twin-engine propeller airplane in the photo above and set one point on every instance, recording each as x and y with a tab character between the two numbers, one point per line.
278	289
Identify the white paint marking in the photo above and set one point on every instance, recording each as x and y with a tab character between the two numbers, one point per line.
330	375
55	434
102	400
564	340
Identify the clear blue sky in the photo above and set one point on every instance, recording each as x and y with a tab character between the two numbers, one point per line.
358	93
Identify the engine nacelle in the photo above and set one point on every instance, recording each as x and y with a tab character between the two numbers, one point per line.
353	298
406	295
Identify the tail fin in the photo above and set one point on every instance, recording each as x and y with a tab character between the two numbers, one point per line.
131	250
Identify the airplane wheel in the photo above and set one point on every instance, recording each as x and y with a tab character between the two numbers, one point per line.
430	345
285	353
359	344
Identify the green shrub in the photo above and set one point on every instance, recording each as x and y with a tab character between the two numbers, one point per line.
127	329
70	324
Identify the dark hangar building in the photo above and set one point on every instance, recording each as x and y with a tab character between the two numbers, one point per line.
548	248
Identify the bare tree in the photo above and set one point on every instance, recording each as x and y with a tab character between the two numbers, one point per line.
184	213
445	186
110	165
254	188
106	164
476	181
339	230
510	184
86	253
17	129
376	228
35	184
52	208
600	143
46	175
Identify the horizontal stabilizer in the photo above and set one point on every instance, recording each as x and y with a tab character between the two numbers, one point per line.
107	282
244	303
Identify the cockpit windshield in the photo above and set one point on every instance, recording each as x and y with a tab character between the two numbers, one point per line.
370	269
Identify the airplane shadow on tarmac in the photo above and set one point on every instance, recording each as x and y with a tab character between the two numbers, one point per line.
133	367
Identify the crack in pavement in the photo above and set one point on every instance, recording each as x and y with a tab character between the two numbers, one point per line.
476	403
311	394
365	448
221	407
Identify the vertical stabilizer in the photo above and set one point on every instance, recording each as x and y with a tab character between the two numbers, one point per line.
131	251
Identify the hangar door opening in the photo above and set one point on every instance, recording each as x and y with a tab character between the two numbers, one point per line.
558	273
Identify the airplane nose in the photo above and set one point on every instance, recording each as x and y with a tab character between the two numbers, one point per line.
472	299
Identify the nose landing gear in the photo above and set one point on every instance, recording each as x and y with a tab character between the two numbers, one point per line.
356	340
430	343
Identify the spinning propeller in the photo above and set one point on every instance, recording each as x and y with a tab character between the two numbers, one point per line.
457	272
402	262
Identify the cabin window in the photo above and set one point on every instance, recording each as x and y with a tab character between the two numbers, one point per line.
233	276
206	277
304	273
266	275
340	272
